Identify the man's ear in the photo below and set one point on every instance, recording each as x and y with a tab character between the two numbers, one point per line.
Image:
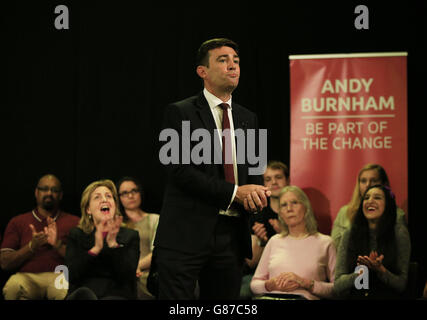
201	71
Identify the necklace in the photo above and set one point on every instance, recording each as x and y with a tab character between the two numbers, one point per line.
303	236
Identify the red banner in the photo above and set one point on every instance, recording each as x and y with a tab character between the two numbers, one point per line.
347	110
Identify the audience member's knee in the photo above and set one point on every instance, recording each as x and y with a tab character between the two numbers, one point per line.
15	288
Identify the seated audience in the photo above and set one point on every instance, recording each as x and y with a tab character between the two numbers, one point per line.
101	255
130	192
264	224
369	175
34	245
299	263
376	241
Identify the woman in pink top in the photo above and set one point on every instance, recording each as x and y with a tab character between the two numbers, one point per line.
299	263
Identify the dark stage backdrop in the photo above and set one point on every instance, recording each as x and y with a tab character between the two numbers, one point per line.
87	103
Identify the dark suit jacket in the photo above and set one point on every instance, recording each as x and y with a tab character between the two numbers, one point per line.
112	272
195	193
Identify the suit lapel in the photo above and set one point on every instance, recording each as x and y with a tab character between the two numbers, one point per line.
239	123
205	113
208	121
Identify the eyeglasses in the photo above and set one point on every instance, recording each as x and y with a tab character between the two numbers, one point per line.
128	193
52	189
285	205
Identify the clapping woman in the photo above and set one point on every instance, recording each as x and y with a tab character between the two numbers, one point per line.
377	242
101	256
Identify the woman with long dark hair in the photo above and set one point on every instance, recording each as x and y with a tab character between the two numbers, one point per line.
376	241
371	174
131	197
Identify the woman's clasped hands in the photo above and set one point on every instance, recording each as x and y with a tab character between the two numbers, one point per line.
107	228
287	282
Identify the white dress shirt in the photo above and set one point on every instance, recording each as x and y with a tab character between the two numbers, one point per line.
217	113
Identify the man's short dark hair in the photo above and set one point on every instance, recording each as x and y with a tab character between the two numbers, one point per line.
203	52
279	165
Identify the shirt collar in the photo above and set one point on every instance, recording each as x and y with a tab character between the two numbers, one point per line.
213	100
40	219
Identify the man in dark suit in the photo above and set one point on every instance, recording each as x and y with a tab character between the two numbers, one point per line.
203	233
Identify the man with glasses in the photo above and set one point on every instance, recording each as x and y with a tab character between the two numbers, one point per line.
34	245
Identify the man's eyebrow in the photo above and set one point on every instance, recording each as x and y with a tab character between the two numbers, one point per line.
226	56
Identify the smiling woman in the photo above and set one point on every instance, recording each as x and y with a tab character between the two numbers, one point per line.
378	242
373	206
